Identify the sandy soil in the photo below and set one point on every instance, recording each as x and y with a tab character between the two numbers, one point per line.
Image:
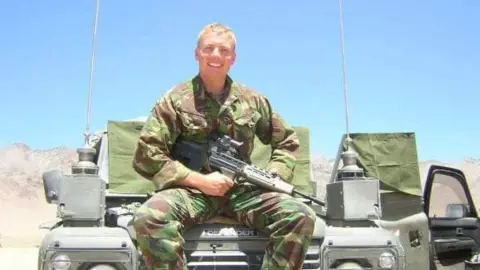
18	258
20	227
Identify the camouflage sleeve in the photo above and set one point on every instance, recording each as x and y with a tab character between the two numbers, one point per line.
274	130
152	154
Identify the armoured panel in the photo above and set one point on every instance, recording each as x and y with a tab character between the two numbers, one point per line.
398	205
364	246
89	238
82	197
87	246
413	232
353	200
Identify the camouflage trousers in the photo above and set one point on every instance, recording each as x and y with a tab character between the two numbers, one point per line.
159	223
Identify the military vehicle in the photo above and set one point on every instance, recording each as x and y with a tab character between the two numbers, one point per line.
373	210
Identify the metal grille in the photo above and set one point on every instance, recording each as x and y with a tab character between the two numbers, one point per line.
236	259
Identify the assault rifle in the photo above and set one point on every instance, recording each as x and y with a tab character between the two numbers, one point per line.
222	155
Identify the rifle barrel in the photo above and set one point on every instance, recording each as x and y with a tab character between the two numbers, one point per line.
309	197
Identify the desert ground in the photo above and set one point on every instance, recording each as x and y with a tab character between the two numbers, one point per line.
23	207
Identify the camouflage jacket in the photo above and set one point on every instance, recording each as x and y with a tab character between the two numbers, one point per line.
188	110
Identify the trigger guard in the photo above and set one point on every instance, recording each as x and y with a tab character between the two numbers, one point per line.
237	179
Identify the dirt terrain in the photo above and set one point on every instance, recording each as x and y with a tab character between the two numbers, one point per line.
23	207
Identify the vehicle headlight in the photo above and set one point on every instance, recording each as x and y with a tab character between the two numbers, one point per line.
386	260
349	266
61	262
102	267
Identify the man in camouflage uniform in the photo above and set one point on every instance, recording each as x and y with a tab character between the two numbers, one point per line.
213	102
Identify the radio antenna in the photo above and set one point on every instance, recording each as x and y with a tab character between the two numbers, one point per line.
344	73
350	169
92	68
86	153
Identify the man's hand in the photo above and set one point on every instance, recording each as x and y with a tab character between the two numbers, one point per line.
213	184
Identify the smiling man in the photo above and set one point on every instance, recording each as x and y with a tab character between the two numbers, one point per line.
212	102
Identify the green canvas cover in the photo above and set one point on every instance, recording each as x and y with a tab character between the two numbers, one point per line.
122	140
391	158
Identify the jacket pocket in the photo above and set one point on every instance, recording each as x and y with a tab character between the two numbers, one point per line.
193	124
244	130
247	120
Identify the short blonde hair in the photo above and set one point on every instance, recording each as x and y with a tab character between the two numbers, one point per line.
219	29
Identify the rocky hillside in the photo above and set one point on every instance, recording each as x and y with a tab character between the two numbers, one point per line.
21	191
24	208
21	168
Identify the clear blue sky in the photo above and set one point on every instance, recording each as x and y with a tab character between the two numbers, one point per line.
411	66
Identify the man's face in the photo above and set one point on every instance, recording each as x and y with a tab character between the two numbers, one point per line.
215	54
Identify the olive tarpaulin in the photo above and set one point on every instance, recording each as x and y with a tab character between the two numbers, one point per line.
389	157
123	137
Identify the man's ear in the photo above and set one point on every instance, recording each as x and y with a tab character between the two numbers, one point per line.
234	57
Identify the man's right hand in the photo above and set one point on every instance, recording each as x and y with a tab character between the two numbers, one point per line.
213	184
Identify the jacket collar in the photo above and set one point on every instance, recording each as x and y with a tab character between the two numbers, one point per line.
231	89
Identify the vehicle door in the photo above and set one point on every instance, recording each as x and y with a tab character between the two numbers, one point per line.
453	219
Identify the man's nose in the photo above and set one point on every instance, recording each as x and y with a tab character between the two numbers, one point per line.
216	52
